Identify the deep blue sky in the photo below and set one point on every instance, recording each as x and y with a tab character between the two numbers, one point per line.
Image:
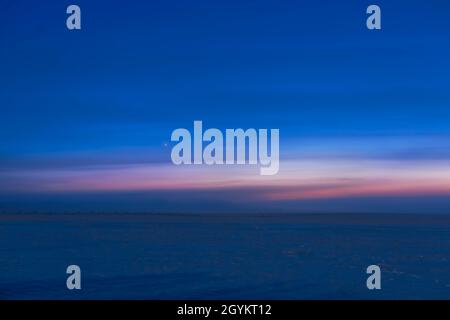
114	91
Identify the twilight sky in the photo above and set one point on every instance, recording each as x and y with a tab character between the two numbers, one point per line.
86	116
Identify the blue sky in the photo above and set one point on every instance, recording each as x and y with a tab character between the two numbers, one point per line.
87	105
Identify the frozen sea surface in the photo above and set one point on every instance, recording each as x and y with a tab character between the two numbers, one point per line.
130	256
